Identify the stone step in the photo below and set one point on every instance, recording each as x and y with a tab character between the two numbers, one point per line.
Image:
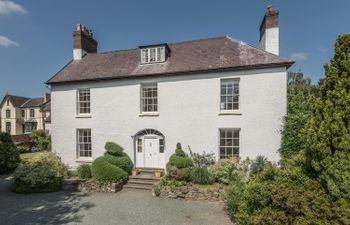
141	182
144	187
145	177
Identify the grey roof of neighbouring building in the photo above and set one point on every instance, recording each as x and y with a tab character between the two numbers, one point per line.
220	53
33	102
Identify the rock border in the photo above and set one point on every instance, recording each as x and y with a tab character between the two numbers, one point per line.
190	191
92	186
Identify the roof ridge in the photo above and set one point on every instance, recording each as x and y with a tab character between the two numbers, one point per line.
17	96
172	43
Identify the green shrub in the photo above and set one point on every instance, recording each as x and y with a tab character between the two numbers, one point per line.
44	173
180	162
41	139
84	171
258	164
222	170
201	175
114	149
123	162
9	155
105	172
178	174
170	182
22	149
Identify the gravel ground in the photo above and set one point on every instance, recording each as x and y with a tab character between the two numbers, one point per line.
128	207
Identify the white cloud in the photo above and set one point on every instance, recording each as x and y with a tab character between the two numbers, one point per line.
5	42
8	7
299	56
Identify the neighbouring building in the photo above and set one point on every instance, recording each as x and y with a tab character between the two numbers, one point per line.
22	115
216	95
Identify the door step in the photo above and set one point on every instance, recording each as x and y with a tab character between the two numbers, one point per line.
144	178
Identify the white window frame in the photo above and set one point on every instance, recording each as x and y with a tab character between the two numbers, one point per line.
235	82
156	53
79	101
84	143
145	99
230	141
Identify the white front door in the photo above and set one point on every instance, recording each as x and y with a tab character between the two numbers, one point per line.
151	152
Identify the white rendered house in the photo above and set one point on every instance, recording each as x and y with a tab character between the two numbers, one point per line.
216	95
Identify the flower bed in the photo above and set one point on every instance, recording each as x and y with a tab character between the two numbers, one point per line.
191	191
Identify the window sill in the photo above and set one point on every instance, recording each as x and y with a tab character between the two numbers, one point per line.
229	113
83	116
149	114
84	160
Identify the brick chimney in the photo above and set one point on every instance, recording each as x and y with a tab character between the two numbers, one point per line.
269	31
83	42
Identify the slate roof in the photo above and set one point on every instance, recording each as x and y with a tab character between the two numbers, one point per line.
23	102
17	101
33	102
220	53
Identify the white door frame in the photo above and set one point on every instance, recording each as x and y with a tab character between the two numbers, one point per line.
140	150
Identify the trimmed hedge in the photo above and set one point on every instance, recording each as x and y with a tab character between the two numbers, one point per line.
44	173
84	171
114	149
105	172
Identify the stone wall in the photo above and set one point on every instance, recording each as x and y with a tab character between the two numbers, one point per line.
191	192
92	186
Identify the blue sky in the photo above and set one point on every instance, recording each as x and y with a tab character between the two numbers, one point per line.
36	41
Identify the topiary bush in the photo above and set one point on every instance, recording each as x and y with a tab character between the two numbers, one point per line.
84	171
9	155
114	149
179	164
123	162
200	175
105	172
222	170
44	173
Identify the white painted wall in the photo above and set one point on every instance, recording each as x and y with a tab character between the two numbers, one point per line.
189	108
270	40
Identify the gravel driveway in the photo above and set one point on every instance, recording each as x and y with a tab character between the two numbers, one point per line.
128	207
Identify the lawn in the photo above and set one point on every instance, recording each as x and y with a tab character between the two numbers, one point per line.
31	156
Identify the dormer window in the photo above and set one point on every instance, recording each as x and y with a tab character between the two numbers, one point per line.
153	54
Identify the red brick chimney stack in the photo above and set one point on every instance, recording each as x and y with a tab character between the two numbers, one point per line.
83	42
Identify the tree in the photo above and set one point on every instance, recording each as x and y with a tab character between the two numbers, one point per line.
9	156
327	133
299	110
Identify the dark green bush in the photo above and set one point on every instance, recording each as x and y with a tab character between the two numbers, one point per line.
123	162
9	155
44	173
180	162
105	172
84	171
201	175
114	149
